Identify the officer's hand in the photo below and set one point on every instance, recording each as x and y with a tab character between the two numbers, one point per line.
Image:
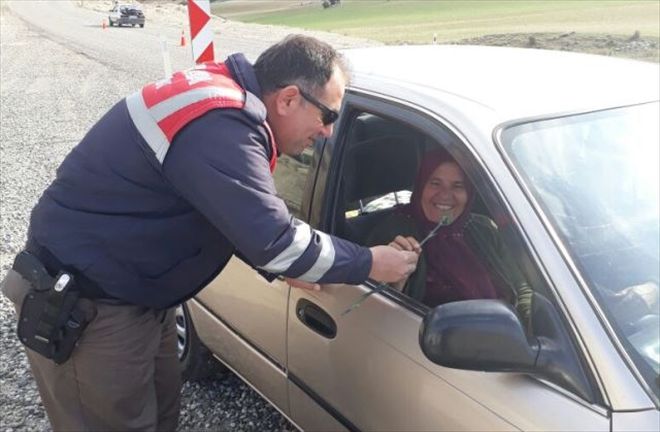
391	265
297	283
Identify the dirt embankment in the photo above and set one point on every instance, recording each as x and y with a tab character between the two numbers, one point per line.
634	46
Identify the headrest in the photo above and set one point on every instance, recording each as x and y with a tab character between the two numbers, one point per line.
380	165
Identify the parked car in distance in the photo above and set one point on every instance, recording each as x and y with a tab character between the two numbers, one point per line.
562	151
126	14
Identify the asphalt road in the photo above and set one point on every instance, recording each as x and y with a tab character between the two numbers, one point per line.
60	71
133	51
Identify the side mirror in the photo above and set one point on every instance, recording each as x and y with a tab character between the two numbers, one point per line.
486	335
483	335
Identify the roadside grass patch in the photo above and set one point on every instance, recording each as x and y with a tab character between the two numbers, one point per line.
418	21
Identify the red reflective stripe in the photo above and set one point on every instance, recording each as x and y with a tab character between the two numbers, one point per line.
153	94
213	67
178	83
170	125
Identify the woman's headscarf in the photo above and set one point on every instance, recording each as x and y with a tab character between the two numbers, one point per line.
454	272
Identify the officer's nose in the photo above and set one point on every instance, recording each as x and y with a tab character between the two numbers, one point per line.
326	131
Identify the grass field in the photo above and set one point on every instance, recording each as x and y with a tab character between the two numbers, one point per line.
417	21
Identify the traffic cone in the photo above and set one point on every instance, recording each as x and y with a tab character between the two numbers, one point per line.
183	39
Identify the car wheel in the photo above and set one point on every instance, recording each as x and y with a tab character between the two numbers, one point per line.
141	25
195	359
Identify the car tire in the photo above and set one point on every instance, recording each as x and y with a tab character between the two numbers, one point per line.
141	25
195	359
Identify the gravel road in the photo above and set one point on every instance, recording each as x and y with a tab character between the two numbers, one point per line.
60	71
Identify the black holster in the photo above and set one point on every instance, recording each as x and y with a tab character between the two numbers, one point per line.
51	320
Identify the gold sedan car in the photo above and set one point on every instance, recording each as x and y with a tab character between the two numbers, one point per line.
562	152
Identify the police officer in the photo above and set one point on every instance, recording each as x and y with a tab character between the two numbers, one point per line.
149	207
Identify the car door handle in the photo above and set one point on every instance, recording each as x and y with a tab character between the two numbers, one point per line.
316	318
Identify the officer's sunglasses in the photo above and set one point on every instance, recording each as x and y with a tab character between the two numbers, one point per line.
328	116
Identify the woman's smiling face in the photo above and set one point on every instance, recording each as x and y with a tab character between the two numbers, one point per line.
444	193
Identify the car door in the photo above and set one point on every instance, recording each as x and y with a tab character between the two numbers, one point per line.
364	369
253	310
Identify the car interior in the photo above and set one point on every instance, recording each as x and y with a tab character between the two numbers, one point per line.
379	169
380	161
381	158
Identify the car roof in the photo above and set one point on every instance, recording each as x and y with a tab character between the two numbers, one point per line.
510	82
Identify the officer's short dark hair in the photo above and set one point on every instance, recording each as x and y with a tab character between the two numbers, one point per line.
300	60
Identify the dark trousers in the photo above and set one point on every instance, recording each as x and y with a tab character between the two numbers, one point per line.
123	375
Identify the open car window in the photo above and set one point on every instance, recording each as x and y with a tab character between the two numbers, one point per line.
380	161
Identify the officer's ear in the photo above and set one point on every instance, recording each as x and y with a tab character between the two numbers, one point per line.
287	99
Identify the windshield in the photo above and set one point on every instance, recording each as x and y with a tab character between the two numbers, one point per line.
596	178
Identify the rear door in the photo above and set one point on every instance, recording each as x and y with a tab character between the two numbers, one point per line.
364	370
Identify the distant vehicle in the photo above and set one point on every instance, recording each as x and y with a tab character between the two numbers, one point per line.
330	3
127	14
562	150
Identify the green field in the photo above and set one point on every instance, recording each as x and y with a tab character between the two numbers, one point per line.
417	21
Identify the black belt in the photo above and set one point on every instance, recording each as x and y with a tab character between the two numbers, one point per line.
87	287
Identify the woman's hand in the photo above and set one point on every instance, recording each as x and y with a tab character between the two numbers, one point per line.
400	284
406	244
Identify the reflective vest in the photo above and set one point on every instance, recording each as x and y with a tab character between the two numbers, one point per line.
161	109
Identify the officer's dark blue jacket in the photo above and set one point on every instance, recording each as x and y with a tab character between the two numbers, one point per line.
154	235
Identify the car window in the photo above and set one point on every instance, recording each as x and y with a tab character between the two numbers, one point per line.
290	178
381	161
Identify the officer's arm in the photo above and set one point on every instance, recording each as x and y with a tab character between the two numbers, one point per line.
219	163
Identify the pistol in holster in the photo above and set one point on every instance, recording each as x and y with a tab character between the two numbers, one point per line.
51	320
